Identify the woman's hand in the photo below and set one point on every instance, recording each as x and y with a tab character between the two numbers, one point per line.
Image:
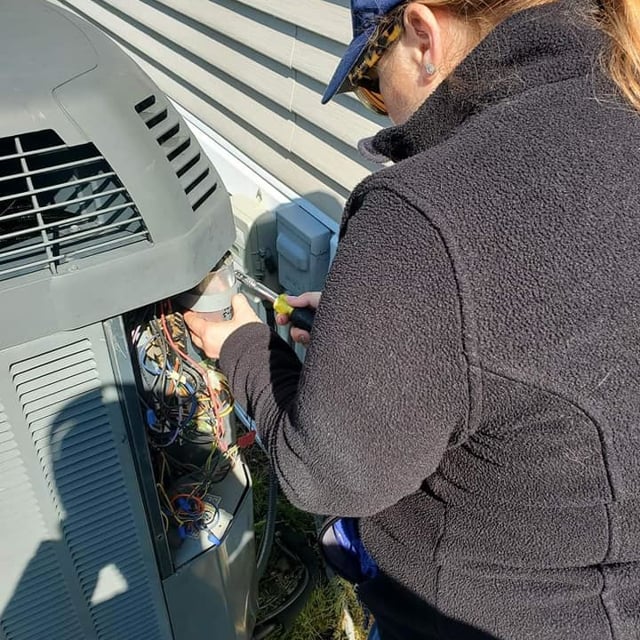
210	335
308	299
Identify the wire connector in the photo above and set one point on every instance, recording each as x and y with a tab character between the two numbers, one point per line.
247	440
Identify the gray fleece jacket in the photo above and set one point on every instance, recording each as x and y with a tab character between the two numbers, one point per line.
472	389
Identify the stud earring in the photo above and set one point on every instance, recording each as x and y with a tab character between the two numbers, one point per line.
430	68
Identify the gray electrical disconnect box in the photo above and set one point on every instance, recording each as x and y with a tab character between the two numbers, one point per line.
303	245
107	206
255	245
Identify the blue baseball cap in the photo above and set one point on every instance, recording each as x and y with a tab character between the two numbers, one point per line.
364	16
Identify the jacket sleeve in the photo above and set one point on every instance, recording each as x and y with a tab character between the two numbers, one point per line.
384	384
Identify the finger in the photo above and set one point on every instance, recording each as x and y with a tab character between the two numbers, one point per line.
240	303
196	341
282	318
243	312
306	299
300	336
298	301
195	323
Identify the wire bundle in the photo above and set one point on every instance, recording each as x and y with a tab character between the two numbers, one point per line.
186	402
183	398
187	504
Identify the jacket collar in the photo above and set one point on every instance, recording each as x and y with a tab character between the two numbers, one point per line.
532	48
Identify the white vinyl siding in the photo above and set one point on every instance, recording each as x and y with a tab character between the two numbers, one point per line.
254	71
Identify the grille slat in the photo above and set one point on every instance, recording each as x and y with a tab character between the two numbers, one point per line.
37	172
32	263
77	236
66	203
130	238
25	154
100	230
34	200
58	204
28	249
180	148
54	187
73	220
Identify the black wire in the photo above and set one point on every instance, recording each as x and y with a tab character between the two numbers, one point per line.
177	386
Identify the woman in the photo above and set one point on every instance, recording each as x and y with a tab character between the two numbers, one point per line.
472	390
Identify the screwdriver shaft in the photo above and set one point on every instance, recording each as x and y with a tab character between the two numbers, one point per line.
301	317
260	289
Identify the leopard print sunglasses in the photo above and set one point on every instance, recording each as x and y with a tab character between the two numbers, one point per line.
363	77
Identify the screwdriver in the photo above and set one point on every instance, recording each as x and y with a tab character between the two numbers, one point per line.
301	317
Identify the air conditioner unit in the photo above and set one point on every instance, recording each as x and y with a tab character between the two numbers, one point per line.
107	207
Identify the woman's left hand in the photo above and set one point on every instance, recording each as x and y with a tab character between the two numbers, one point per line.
210	335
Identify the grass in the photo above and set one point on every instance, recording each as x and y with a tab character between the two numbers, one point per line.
323	617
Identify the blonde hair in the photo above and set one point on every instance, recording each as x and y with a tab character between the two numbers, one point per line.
618	19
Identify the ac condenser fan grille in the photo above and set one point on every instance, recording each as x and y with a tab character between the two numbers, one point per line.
59	204
184	154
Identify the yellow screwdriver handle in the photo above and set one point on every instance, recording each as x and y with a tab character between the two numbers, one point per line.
282	306
301	317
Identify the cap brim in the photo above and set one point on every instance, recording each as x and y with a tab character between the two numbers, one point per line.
340	80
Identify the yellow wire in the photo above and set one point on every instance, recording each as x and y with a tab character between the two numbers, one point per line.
226	411
168	501
163	468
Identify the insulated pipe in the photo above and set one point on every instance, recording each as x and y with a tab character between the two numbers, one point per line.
270	524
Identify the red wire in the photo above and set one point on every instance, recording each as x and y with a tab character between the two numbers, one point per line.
198	501
213	396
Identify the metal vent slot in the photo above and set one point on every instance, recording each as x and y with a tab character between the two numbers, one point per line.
188	165
145	104
75	440
178	149
59	204
156	119
202	195
185	156
170	133
13	477
41	606
197	181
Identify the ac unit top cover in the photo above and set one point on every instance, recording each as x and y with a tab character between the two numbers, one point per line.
107	201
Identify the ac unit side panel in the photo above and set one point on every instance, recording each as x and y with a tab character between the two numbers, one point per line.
33	598
81	532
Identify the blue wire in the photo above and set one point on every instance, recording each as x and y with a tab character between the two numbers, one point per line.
248	422
143	362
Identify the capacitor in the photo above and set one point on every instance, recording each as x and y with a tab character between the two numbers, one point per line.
211	297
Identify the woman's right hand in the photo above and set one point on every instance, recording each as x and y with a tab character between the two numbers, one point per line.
307	299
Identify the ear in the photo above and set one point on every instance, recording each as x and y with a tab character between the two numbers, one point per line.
424	34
